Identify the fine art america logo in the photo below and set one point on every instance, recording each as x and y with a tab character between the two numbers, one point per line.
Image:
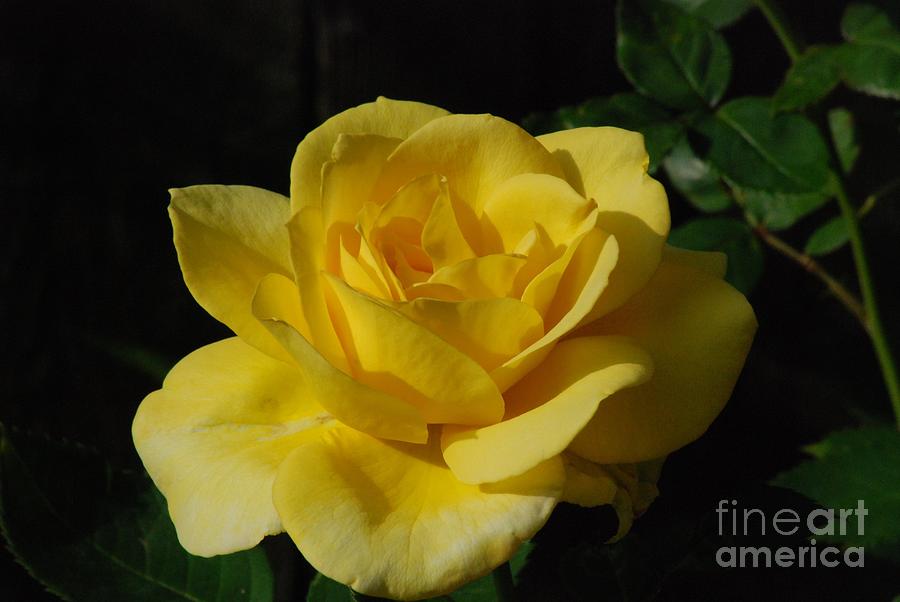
820	522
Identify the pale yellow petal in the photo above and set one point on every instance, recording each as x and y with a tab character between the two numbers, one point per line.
384	117
490	331
476	153
213	437
227	238
609	165
392	353
546	409
582	283
391	520
698	330
516	205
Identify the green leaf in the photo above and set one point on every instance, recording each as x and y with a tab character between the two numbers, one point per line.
670	55
843	136
830	236
870	62
629	111
810	79
761	150
848	466
696	179
88	533
730	236
323	589
778	163
779	210
718	13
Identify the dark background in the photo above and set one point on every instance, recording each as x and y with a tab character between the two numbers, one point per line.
105	105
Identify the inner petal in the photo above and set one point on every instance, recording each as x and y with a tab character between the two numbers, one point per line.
519	203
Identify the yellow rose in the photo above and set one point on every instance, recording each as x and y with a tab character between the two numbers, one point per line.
450	327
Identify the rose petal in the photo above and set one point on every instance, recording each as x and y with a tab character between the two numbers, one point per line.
475	153
353	403
392	353
384	117
609	165
546	409
582	283
516	205
484	277
391	520
442	236
698	330
349	177
490	331
308	247
213	437
227	238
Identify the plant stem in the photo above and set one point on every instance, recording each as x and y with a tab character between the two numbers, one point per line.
809	264
503	583
779	24
873	317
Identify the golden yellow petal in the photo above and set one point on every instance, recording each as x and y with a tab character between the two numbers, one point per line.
228	238
609	165
546	409
391	520
698	330
384	117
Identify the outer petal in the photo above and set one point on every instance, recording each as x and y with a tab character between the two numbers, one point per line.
475	153
546	409
227	238
392	353
698	330
391	520
213	437
610	165
384	117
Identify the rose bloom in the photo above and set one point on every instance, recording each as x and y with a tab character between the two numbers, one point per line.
449	327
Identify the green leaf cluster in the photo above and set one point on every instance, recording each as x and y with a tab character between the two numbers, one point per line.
757	162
